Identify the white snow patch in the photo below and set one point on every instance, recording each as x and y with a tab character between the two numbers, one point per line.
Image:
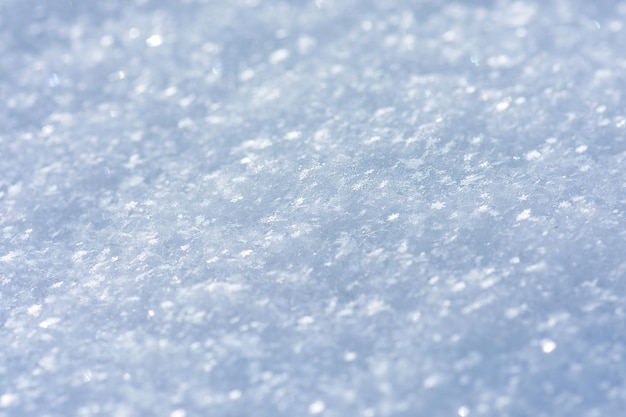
78	255
7	399
503	105
278	56
438	205
133	161
154	41
224	287
548	345
10	256
246	75
533	155
14	189
432	381
305	321
49	322
463	411
306	44
539	266
294	134
34	310
185	123
376	306
524	215
317	407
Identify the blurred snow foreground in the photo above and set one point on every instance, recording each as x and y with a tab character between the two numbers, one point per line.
291	208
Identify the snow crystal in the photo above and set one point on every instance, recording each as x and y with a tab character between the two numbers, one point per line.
317	407
278	56
523	215
154	40
548	346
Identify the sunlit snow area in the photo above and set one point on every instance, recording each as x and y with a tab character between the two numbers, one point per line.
346	208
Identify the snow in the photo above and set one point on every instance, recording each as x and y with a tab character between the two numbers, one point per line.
336	208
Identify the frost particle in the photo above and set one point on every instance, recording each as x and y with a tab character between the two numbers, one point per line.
548	346
34	310
49	322
294	134
532	155
317	407
7	399
581	149
524	215
438	205
278	56
154	41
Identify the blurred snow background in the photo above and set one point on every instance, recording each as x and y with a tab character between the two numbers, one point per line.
290	208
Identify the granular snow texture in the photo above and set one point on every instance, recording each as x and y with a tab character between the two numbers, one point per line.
289	208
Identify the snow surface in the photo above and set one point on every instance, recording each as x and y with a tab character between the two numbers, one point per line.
331	207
